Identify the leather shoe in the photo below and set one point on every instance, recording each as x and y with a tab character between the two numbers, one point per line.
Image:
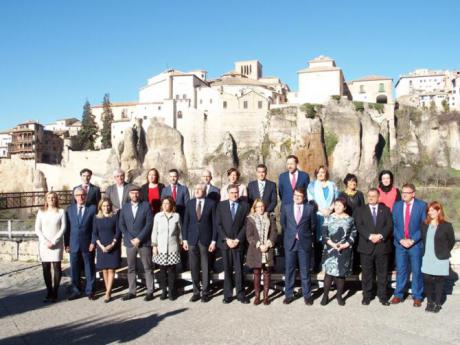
308	301
128	297
74	296
148	297
288	300
243	300
205	298
396	300
384	302
227	300
91	297
194	298
437	308
417	303
366	301
429	307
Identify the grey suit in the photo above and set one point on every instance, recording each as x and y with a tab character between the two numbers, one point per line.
112	193
140	227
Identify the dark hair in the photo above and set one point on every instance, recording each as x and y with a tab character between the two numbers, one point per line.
374	190
350	177
409	185
300	190
382	187
231	170
86	170
324	168
174	171
232	186
342	201
263	166
156	172
294	158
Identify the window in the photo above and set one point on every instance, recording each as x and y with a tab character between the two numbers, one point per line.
177	96
224	104
184	96
210	101
381	87
159	107
361	89
145	117
259	104
245	104
201	101
179	114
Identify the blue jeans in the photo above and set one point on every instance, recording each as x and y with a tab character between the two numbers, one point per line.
303	258
407	261
76	261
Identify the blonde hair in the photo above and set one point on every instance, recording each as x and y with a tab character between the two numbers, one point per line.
256	201
100	214
56	203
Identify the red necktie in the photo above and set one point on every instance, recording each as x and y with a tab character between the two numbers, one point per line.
293	182
174	193
407	221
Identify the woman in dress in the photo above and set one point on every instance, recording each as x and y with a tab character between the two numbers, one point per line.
389	194
50	226
233	176
354	197
166	242
339	234
438	240
322	192
151	191
107	236
261	234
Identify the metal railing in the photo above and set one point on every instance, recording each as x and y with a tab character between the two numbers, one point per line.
14	228
31	199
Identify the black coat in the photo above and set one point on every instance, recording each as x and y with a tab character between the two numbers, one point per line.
270	198
366	227
444	240
228	228
92	198
353	202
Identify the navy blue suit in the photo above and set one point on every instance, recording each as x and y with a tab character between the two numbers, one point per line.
409	260
182	198
213	193
298	250
269	198
139	227
78	237
285	190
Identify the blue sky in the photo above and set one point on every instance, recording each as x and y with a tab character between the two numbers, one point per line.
56	54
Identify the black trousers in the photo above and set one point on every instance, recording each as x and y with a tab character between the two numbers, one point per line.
434	288
370	264
52	281
167	278
233	272
199	259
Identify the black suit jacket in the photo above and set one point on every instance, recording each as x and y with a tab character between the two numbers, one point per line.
366	227
93	197
203	230
228	228
270	198
444	240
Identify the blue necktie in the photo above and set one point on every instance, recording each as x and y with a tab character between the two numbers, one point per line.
233	211
374	215
80	214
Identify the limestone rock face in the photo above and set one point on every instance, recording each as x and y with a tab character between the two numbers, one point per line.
133	150
164	151
20	174
39	181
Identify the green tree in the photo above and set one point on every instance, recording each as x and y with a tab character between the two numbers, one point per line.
445	106
107	119
88	131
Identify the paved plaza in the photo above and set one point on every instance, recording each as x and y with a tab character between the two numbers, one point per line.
25	319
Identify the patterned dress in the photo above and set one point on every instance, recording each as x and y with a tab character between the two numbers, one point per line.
338	230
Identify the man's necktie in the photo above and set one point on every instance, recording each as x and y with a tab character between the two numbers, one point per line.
80	213
174	192
293	181
198	211
374	215
298	216
233	210
261	190
407	220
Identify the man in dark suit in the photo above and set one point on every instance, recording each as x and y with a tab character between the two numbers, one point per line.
263	189
375	227
78	242
291	179
299	223
178	192
93	193
231	234
408	216
199	237
212	192
136	222
118	193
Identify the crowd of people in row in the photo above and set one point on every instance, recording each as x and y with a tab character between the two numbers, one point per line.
322	229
